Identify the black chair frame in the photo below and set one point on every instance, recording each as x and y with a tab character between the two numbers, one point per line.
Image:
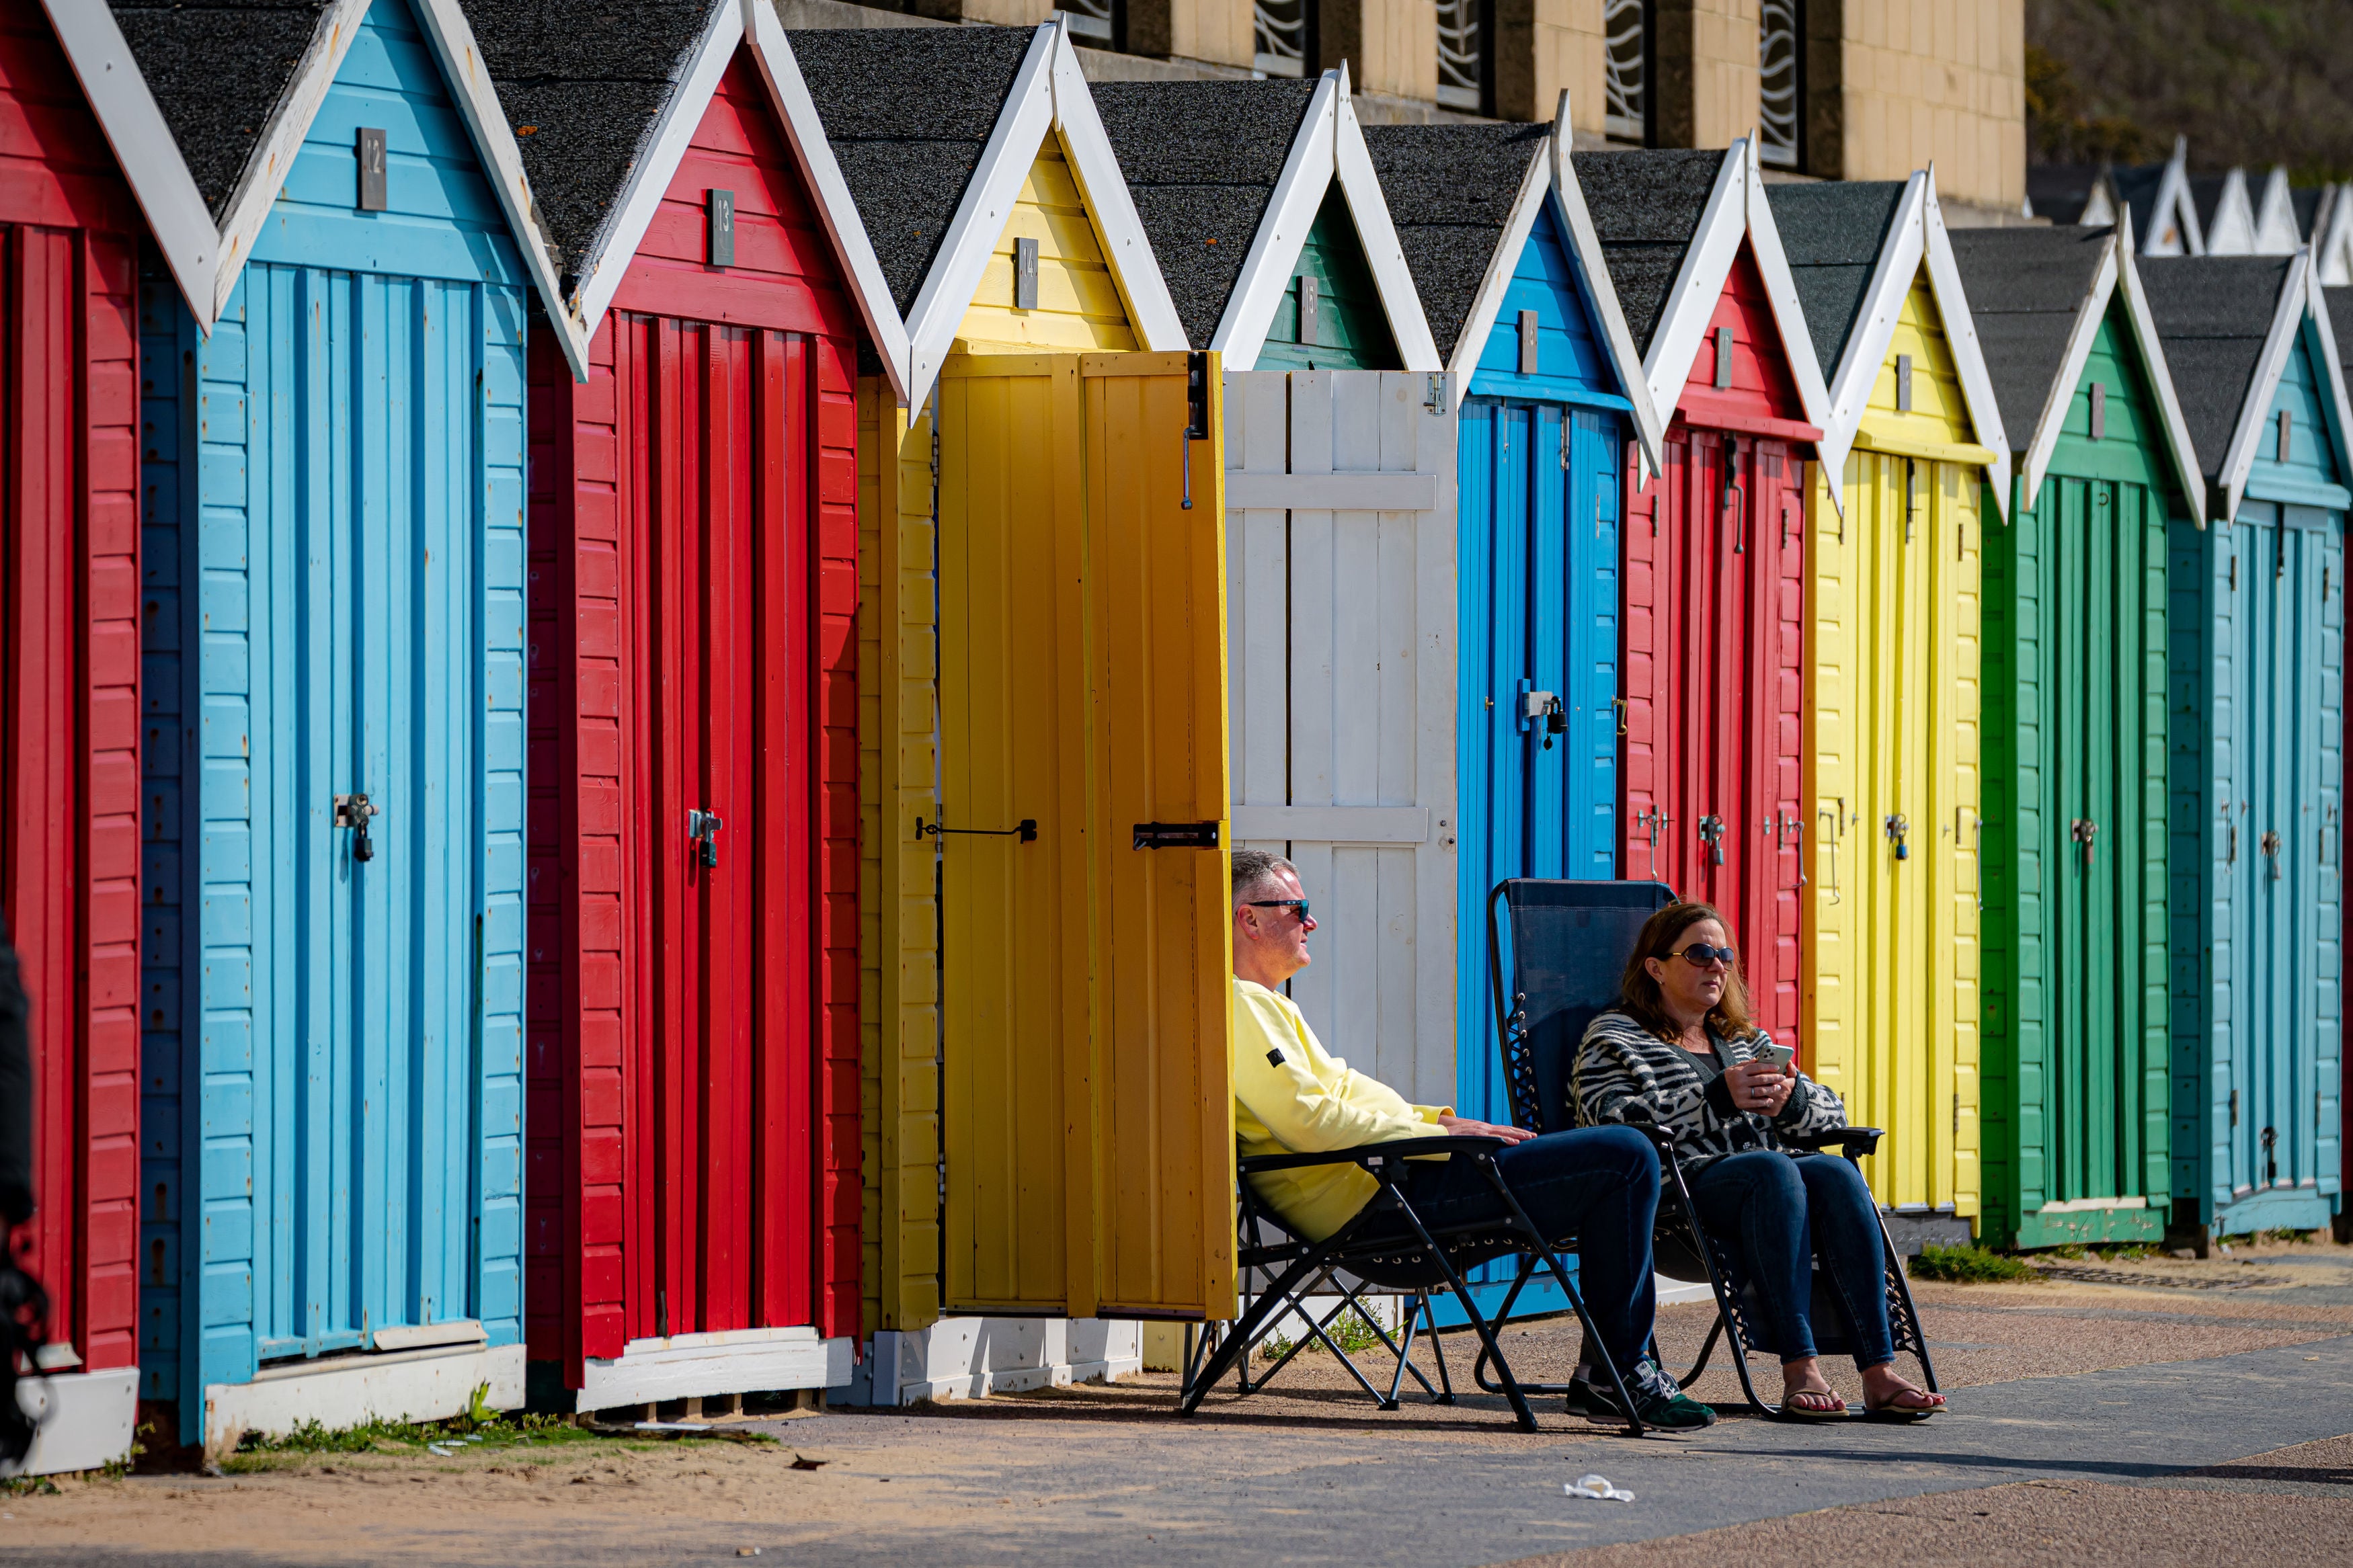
1368	1253
1683	1248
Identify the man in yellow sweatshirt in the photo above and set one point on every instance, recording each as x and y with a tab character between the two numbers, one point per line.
1598	1184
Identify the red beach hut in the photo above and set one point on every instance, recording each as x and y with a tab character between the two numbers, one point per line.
1710	794
691	1190
71	228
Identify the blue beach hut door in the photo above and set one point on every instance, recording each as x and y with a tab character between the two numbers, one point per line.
333	753
2285	592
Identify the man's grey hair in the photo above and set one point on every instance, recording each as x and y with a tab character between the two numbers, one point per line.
1257	868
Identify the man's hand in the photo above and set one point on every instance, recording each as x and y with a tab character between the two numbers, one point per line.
1463	1127
1759	1087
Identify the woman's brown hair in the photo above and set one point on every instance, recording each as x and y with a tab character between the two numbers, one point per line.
1660	937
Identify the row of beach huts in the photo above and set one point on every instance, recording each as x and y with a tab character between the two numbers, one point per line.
633	643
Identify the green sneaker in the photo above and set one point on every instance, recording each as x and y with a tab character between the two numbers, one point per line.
1657	1400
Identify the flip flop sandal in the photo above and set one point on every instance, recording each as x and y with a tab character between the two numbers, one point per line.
1789	1412
1898	1413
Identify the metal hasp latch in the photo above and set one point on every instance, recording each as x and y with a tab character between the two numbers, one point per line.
1544	707
1711	830
2083	830
353	811
2271	1156
1897	828
2270	845
702	837
1175	836
1196	415
1025	830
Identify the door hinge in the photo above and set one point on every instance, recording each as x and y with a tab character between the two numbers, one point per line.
1175	836
1434	396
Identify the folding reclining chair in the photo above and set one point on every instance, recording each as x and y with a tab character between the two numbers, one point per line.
1384	1247
1568	942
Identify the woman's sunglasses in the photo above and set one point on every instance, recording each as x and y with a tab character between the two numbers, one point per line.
1699	956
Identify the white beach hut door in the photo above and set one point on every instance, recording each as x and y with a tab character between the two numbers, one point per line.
1341	628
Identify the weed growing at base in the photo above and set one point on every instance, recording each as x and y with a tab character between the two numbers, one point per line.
1968	1266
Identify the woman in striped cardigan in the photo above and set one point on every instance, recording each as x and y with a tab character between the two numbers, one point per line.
1679	1050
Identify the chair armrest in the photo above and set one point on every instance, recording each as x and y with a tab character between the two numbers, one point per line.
1848	1140
1370	1154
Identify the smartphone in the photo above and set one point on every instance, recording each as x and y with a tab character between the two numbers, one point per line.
1775	1055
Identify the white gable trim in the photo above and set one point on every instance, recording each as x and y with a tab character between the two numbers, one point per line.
152	161
1593	267
2174	204
282	138
1691	301
853	246
1899	251
2233	232
2061	393
2186	467
2239	459
1329	145
1781	290
2276	233
608	262
1392	279
1049	96
1127	250
2333	241
2340	412
468	78
2100	208
1282	233
1961	340
1502	262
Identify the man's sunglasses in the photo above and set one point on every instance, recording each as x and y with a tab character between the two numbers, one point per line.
1299	904
1699	956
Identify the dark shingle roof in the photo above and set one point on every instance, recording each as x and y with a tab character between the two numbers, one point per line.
1450	190
2212	314
1832	234
2205	192
1646	207
1201	159
2061	192
583	83
2306	199
2025	287
218	68
908	111
2136	187
2340	321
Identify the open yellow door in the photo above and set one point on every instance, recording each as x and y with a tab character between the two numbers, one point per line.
1089	1116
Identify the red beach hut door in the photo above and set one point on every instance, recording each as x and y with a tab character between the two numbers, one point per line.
725	1077
1713	642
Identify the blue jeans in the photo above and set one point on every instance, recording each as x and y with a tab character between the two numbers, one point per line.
1784	1210
1597	1185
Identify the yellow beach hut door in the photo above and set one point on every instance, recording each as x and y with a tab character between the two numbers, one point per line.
1089	1122
1898	818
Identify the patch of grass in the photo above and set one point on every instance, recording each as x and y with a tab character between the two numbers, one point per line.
27	1486
1969	1266
1349	1332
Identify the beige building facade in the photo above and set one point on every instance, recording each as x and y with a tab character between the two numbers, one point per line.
1856	89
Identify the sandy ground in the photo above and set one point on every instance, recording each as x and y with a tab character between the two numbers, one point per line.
2303	1514
973	1474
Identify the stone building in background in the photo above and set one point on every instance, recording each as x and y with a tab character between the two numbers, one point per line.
1856	89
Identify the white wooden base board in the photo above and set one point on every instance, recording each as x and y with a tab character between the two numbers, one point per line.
697	1366
86	1420
971	1358
429	1385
